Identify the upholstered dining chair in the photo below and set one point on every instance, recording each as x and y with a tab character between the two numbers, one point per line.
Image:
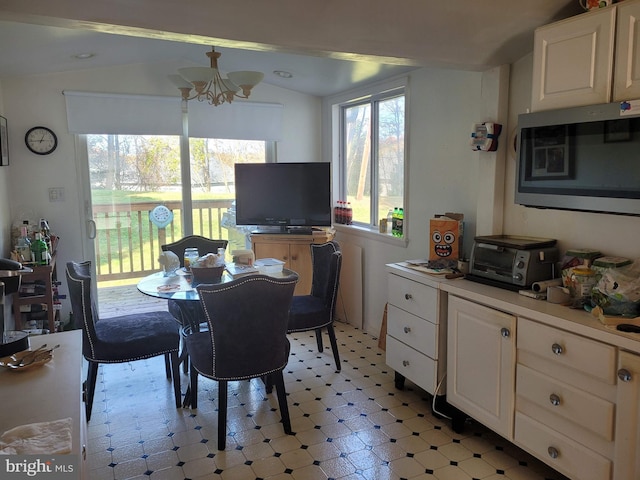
187	311
119	339
316	311
246	338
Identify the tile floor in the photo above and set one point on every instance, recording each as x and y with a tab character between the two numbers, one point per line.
350	425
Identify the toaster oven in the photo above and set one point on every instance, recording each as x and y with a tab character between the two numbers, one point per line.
512	262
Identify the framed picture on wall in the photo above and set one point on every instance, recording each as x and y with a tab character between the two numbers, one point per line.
551	154
617	130
4	142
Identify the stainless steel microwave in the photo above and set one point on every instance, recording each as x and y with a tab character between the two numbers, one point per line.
583	158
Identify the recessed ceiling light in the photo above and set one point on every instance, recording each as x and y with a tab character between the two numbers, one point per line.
84	56
283	74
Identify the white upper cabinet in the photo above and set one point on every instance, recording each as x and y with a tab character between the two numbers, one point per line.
626	79
573	61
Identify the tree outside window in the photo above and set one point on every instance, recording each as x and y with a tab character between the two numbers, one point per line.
373	159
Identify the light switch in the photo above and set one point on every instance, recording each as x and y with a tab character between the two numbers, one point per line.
56	194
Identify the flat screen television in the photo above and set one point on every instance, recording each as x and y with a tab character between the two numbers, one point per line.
283	197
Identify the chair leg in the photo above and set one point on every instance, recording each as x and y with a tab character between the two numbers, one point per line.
282	401
268	383
167	365
175	370
319	339
92	376
222	414
193	387
184	360
334	345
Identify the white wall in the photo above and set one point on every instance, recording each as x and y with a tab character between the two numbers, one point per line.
5	214
38	100
443	173
611	234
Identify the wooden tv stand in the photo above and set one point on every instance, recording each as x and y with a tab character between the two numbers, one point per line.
294	250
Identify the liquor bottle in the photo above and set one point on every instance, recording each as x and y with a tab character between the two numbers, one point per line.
39	250
45	232
23	246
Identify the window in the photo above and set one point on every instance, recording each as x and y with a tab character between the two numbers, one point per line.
131	174
372	166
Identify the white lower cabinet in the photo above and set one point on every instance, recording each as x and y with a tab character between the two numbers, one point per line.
566	400
481	363
627	453
415	342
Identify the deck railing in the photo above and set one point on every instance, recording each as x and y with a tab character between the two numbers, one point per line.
128	244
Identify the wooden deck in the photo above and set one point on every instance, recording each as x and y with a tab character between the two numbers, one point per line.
126	299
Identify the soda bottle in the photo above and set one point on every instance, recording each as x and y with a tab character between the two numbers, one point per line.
349	214
389	221
400	223
394	222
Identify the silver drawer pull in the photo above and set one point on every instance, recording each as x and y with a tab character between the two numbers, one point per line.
505	332
405	363
553	452
557	349
624	375
408	296
407	329
554	399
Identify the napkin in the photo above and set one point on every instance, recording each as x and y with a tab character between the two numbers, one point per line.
38	438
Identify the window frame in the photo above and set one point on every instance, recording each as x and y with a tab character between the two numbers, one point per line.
373	98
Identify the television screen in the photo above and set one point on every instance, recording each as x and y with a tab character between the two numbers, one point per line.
285	195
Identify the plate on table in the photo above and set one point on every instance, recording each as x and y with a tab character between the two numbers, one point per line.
12	362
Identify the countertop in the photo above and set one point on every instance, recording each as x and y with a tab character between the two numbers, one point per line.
48	392
558	316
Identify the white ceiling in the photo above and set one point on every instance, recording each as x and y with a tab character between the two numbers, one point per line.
466	34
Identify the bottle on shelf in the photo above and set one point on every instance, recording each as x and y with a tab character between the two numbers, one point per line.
339	212
39	251
348	214
400	223
389	221
394	222
23	246
45	232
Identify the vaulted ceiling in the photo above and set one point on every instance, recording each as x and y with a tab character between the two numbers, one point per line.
327	46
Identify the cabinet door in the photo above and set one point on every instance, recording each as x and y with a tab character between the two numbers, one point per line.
481	363
626	84
627	449
573	61
300	260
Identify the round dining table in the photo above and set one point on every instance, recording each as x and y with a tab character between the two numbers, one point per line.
179	286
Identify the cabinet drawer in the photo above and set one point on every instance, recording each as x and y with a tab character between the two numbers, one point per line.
557	398
415	366
414	331
414	297
573	459
565	349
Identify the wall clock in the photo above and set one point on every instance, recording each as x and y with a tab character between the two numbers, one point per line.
41	140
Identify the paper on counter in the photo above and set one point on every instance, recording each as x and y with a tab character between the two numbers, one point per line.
38	438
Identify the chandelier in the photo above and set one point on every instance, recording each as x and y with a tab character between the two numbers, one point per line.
207	84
